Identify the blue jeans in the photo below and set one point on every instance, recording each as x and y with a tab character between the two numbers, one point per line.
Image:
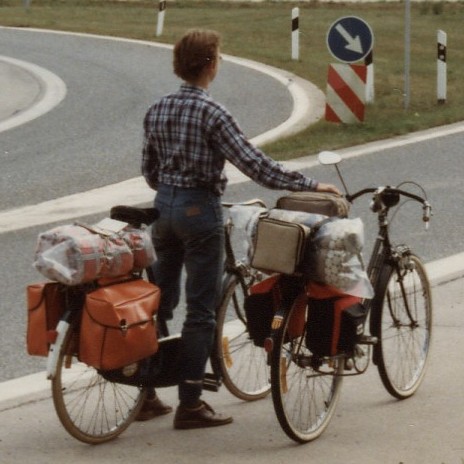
190	232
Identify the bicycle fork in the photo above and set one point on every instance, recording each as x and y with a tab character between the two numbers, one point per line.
402	265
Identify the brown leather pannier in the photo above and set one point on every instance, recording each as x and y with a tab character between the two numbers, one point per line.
118	327
45	305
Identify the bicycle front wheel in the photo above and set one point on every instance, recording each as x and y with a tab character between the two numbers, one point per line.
403	311
90	408
305	386
243	365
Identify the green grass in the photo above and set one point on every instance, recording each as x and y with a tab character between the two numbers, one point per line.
261	31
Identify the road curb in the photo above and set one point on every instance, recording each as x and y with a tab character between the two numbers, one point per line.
445	270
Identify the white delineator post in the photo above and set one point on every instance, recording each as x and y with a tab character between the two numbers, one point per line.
441	66
161	12
370	92
295	34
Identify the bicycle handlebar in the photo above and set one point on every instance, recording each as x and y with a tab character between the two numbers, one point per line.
387	197
385	190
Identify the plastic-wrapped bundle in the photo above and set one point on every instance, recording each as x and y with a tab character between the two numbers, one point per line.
307	219
335	257
75	254
246	218
141	245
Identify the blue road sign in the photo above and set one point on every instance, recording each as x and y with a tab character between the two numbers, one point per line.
350	39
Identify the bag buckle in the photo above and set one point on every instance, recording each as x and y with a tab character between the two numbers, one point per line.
123	326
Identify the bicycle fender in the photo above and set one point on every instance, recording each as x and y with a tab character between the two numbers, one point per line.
54	351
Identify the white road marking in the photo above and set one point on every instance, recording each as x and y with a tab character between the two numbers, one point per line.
54	91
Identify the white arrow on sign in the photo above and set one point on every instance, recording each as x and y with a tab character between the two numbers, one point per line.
353	43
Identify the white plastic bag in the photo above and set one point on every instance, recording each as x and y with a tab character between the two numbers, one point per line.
335	257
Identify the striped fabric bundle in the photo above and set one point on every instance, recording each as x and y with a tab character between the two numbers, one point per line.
76	254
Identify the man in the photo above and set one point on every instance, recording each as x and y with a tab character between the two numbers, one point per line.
188	138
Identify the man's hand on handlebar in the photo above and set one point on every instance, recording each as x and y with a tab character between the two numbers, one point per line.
321	187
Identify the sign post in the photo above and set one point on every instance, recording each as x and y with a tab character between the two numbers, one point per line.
349	40
407	53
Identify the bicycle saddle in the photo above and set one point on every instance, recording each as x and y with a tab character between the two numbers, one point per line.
134	216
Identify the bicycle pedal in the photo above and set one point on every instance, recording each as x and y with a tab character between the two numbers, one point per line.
211	383
367	340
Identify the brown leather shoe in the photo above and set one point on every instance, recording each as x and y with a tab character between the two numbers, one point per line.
202	416
152	408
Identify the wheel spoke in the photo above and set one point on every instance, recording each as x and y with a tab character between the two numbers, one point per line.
244	366
305	390
92	409
405	329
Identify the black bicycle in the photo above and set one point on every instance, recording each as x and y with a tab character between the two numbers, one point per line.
95	406
305	385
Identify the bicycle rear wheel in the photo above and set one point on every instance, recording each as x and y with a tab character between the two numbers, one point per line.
243	365
403	325
305	387
90	408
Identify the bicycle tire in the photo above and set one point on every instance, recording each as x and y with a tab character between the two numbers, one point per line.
90	408
244	366
403	345
305	387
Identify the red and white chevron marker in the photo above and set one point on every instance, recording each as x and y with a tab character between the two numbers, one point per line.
346	93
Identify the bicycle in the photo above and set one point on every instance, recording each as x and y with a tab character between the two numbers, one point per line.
305	386
96	406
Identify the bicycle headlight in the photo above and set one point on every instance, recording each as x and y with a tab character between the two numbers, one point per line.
390	198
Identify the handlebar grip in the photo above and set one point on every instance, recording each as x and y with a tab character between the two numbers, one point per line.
427	214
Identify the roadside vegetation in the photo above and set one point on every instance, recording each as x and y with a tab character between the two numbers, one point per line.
261	31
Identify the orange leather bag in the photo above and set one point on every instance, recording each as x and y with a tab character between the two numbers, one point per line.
118	327
45	305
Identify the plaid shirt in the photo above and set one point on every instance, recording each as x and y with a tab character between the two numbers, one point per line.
188	137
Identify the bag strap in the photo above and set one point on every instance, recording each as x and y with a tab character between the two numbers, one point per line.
95	230
107	282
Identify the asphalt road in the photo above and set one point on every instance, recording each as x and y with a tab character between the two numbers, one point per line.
93	138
